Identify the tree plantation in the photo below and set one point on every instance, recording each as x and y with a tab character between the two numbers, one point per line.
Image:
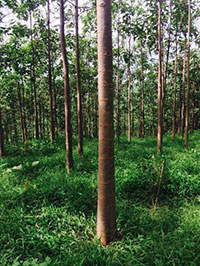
99	132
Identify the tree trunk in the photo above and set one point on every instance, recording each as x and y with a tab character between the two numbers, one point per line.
179	110
129	93
43	121
188	80
14	122
132	114
142	94
95	128
118	81
52	129
33	82
174	97
193	107
183	93
1	137
106	212
88	112
159	136
24	114
68	129
40	119
55	108
78	85
6	128
20	112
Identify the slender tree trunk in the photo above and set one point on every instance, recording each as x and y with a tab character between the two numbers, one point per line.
159	136
52	129
193	107
24	114
165	71
43	119
188	80
55	108
20	112
95	129
179	110
6	128
40	119
118	80
1	137
33	82
68	129
174	97
14	122
106	212
88	104
88	111
183	94
78	84
132	114
129	93
142	94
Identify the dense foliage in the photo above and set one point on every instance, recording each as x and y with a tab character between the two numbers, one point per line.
132	21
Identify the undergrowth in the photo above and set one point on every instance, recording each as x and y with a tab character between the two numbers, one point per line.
49	218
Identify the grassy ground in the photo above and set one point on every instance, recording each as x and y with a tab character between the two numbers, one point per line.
49	218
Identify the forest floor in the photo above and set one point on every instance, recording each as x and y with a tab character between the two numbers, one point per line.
49	218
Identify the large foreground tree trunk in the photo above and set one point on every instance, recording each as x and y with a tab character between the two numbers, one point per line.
106	212
68	129
188	81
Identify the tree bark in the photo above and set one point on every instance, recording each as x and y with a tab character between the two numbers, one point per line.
68	129
159	135
52	129
188	80
78	85
106	211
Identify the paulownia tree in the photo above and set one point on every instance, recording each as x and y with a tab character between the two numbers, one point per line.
106	213
68	129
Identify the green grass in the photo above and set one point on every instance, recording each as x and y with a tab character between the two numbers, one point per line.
49	218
